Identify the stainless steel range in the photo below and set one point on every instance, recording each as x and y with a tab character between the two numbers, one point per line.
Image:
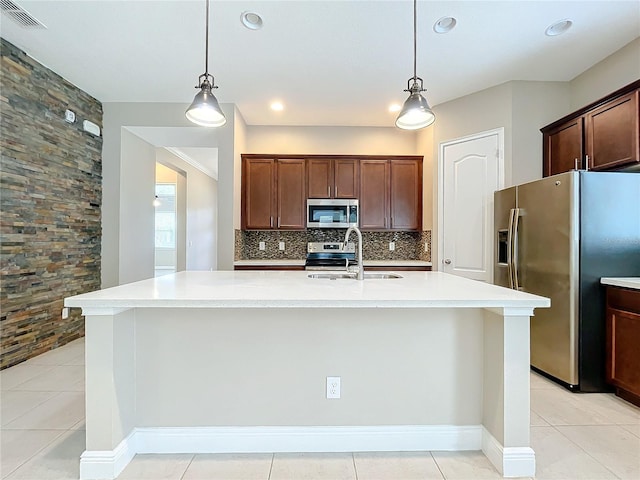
330	255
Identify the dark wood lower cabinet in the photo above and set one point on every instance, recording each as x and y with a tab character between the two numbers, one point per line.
268	267
623	342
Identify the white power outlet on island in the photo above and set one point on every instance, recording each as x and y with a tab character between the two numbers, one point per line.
392	246
281	246
262	246
333	387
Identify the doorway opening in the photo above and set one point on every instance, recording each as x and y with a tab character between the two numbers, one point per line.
166	221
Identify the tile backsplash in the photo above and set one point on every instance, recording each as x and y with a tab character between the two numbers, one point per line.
408	245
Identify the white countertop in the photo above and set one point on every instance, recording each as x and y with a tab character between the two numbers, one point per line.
293	289
626	282
367	263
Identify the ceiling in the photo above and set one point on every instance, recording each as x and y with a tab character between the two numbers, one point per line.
330	62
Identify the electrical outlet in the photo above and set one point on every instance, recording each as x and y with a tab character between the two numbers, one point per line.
426	247
281	246
262	245
333	387
392	246
65	313
69	116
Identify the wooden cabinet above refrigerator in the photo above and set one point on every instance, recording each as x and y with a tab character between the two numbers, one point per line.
604	135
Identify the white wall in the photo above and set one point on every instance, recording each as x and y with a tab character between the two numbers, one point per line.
331	140
137	214
425	148
116	171
239	147
534	105
617	70
201	213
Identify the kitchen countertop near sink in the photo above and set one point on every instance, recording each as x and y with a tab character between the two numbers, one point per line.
367	263
624	282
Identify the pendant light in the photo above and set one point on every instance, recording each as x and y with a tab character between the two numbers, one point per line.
415	112
205	110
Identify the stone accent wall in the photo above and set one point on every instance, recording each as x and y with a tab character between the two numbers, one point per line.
51	193
408	245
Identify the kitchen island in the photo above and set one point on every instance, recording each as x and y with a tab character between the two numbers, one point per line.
237	362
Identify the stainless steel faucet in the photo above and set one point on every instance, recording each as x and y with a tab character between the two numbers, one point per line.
346	240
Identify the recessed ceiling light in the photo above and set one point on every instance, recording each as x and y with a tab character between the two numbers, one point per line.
558	28
277	106
395	107
251	20
444	25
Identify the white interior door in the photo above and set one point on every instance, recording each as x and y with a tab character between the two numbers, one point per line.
472	169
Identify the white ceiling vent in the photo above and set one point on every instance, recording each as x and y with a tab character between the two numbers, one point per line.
20	15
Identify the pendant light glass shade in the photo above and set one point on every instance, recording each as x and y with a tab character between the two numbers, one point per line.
415	112
205	110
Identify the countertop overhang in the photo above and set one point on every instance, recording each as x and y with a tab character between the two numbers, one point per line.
624	282
294	289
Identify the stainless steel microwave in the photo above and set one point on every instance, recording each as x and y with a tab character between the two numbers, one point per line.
332	213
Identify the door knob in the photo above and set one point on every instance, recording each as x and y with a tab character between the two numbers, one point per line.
447	261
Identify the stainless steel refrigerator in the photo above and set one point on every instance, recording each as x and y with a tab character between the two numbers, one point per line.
556	237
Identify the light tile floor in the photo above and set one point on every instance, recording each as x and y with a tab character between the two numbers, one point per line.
575	436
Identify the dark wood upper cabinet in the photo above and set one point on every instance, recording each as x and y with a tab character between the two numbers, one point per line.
275	189
391	194
346	177
273	193
374	194
406	194
563	148
612	133
332	177
604	135
258	182
319	177
291	195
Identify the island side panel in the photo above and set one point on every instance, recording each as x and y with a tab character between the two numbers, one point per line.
268	367
110	378
506	396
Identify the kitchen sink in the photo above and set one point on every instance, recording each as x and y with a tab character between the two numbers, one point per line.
352	276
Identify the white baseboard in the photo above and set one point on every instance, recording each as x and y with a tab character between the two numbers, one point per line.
510	461
385	438
108	464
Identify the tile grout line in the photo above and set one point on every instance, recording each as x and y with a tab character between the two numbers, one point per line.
193	457
355	469
4	427
273	455
437	465
62	432
583	449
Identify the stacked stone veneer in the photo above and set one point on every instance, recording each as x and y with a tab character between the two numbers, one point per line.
51	177
408	245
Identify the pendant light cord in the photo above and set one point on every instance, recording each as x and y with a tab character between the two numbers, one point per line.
206	45
415	29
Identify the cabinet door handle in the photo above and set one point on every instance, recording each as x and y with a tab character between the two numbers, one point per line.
575	163
329	191
271	222
587	163
336	191
278	222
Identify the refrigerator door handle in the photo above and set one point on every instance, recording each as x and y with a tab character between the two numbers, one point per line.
510	247
514	248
